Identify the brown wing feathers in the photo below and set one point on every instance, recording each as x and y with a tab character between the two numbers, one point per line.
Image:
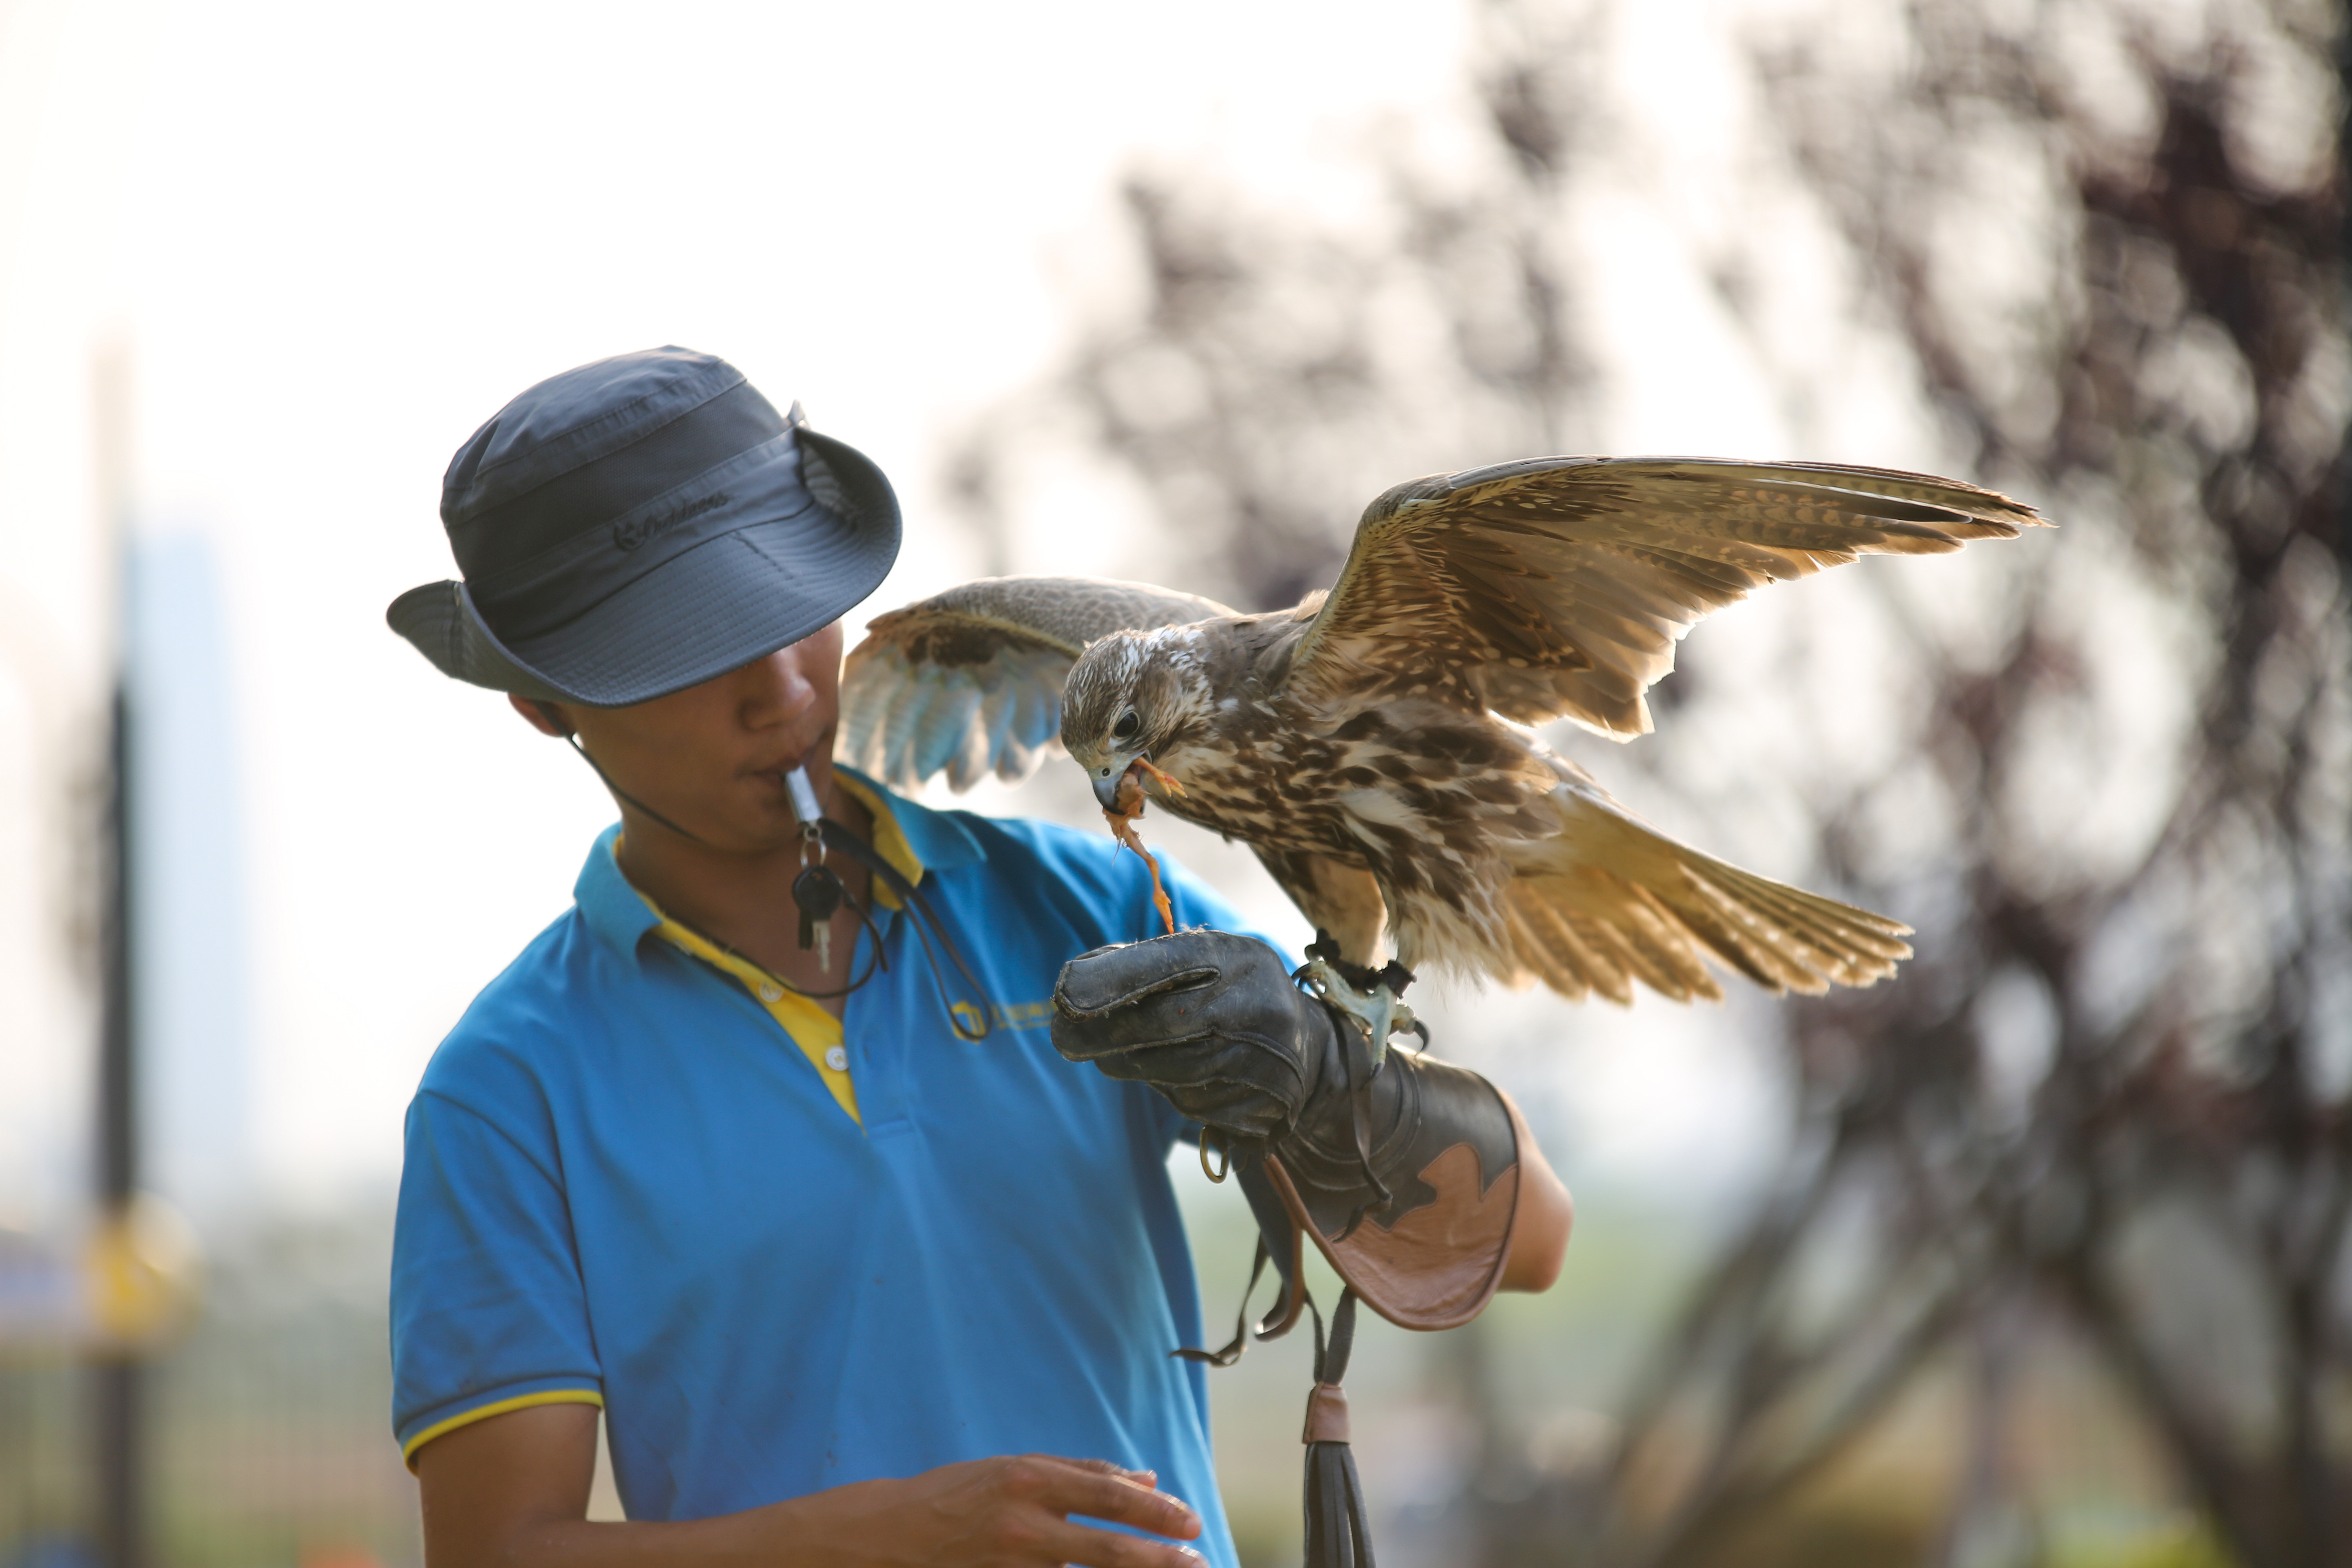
1558	587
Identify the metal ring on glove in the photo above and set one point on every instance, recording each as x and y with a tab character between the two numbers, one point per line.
1225	1151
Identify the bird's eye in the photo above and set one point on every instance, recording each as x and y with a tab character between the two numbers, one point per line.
1129	724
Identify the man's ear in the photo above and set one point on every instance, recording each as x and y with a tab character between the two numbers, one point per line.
543	716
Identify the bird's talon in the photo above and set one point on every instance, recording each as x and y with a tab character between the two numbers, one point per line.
1166	780
1374	1007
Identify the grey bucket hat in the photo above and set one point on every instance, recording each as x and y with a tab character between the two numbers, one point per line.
639	525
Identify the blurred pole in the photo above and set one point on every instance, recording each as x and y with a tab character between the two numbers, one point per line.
118	1383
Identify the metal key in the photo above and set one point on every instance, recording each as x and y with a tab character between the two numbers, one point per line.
819	893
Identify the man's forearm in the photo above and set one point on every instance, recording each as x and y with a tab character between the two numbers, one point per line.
512	1492
800	1532
1547	1215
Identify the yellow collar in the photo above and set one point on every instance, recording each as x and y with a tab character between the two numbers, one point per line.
815	1031
889	838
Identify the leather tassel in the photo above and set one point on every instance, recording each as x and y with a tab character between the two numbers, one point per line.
1337	1534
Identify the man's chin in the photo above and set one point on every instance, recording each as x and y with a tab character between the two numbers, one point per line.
764	833
742	832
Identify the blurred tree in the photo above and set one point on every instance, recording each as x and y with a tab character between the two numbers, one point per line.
1271	367
2106	1105
2112	1089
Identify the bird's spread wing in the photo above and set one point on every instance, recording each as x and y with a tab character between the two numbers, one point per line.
1558	587
971	680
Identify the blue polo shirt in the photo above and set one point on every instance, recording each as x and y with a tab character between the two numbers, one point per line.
629	1182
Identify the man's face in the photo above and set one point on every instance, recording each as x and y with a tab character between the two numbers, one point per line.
712	758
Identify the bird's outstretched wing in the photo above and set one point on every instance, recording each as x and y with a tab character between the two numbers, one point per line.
1558	587
971	680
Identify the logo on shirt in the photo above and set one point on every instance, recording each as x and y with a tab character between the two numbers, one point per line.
1001	1015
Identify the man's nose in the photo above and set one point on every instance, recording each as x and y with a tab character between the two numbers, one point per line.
775	689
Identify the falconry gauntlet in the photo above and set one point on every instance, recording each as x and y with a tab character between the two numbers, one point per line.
1406	1177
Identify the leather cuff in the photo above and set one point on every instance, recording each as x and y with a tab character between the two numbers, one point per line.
1445	1144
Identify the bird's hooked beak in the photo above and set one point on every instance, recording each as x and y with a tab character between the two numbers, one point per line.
1107	788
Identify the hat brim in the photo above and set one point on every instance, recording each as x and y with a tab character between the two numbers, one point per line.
738	596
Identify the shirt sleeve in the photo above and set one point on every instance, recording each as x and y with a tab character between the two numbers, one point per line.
488	1310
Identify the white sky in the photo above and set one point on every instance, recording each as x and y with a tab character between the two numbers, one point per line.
334	239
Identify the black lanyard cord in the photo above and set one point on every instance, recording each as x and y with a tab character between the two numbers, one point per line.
875	958
926	923
548	709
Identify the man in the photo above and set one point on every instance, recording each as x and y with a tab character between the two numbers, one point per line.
857	1265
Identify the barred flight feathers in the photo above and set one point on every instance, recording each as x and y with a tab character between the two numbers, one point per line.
970	680
1558	587
1608	900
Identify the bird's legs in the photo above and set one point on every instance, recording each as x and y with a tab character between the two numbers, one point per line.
1372	998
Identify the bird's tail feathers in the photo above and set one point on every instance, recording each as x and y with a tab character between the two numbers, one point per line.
1610	901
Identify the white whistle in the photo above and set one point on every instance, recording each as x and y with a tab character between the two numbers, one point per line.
804	793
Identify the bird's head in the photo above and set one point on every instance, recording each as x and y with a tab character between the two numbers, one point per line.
1125	698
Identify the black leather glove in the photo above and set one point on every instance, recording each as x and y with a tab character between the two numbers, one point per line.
1214	1022
1209	1019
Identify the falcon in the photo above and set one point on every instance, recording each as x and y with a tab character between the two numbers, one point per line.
1375	744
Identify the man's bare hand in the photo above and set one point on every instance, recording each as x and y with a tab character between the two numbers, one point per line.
1003	1513
512	1492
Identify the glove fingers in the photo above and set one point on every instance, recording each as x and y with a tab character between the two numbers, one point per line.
1095	983
1108	976
1244	1086
1238	1109
1208	1018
